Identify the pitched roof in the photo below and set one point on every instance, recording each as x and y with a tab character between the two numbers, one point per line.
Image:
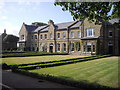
41	28
10	38
64	25
30	28
59	26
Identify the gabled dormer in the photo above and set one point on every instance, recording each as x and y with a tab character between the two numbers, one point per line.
23	33
51	30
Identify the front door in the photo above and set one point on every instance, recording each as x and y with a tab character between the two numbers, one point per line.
51	48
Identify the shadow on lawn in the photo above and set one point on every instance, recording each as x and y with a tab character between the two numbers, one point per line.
83	84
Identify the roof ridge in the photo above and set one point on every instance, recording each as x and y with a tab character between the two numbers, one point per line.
66	22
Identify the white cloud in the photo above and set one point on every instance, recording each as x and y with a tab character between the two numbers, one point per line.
2	3
3	17
10	28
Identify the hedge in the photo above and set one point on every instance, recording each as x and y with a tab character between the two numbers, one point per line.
56	63
24	54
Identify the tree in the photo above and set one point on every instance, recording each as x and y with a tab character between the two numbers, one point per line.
39	23
91	10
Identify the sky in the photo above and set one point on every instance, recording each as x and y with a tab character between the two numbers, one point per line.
13	14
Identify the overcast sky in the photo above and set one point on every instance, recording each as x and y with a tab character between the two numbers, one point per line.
13	14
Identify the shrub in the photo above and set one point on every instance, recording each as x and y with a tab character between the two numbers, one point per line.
5	66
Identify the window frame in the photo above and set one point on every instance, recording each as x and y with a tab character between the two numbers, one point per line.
51	36
72	34
79	34
58	47
41	36
58	35
64	35
45	36
90	32
72	47
110	32
64	47
35	37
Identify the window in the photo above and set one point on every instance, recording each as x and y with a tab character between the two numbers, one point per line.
93	47
35	36
64	47
72	46
58	35
78	46
35	45
22	37
90	32
64	35
45	36
32	37
110	43
72	35
110	34
89	47
58	47
40	37
79	36
50	35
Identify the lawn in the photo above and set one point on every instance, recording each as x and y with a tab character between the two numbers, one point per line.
33	59
101	71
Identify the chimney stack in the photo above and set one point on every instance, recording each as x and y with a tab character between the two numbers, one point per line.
50	22
5	31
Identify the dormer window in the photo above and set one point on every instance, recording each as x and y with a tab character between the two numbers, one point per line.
90	32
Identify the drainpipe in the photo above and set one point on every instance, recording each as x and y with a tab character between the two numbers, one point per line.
68	40
38	40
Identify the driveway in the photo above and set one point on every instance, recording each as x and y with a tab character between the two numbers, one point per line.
14	80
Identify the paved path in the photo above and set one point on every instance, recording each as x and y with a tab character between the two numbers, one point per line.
15	80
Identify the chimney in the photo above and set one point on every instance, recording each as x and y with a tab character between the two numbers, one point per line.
50	22
4	31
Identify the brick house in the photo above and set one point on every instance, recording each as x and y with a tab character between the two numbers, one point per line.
9	41
78	37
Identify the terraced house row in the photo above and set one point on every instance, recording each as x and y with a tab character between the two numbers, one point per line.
77	37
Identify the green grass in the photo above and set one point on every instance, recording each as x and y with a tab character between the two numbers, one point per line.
101	71
35	59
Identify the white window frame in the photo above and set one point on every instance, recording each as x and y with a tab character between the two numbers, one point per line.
64	35
72	34
79	34
89	32
41	36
